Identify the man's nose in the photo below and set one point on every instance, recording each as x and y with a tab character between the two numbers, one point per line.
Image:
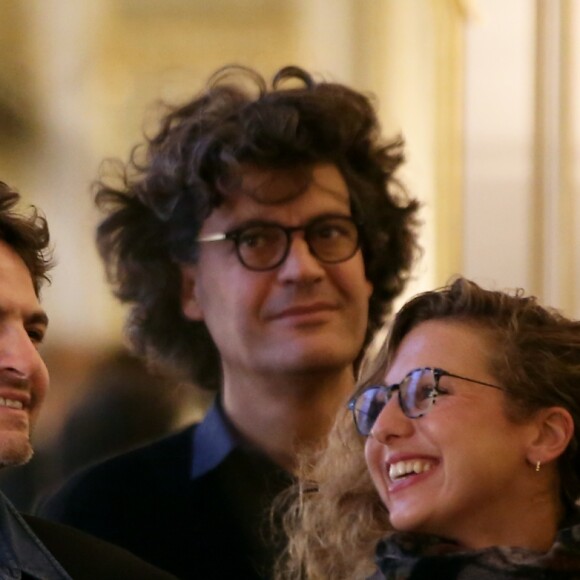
391	422
300	263
18	354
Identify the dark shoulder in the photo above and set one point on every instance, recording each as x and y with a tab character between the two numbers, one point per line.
155	468
85	557
174	448
172	451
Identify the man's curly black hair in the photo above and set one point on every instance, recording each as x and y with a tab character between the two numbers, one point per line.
176	178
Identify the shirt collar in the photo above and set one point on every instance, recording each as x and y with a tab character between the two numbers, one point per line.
213	440
21	550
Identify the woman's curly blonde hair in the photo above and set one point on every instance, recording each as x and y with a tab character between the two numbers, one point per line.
333	517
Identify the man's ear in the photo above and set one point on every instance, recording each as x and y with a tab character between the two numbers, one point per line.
370	288
189	303
552	435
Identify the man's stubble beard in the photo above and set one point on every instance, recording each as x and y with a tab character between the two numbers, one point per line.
15	450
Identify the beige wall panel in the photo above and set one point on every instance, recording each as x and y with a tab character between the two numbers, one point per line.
98	68
499	130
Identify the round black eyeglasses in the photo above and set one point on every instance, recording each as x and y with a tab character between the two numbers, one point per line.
262	245
418	392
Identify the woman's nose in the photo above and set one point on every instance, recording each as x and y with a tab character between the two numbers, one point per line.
391	422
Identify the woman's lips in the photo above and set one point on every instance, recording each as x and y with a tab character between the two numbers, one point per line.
402	471
409	467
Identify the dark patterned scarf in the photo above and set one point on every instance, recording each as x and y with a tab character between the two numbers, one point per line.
405	556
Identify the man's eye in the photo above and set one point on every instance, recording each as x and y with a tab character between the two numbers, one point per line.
334	230
259	237
36	335
253	239
330	231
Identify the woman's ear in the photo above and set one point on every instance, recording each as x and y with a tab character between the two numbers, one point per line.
552	435
189	303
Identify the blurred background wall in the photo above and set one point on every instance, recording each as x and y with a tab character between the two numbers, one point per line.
486	93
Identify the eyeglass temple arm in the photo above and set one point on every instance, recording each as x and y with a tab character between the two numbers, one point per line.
441	373
212	238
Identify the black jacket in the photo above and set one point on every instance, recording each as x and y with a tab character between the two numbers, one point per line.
209	527
31	548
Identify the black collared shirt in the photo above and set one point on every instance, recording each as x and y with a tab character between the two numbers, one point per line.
250	482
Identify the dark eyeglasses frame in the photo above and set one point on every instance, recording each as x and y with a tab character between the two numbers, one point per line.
235	235
389	389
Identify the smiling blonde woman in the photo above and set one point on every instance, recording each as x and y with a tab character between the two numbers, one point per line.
462	460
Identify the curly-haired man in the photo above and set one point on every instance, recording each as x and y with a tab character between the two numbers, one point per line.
259	238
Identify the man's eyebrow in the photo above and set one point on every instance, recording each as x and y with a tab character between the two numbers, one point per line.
38	317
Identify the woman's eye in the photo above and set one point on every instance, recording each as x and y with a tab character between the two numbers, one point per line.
425	392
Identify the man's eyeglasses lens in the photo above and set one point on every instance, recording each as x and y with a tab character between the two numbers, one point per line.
266	246
417	393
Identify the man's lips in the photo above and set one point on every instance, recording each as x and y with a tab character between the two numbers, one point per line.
303	310
14	399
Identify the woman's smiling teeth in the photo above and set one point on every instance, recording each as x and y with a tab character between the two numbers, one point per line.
404	468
